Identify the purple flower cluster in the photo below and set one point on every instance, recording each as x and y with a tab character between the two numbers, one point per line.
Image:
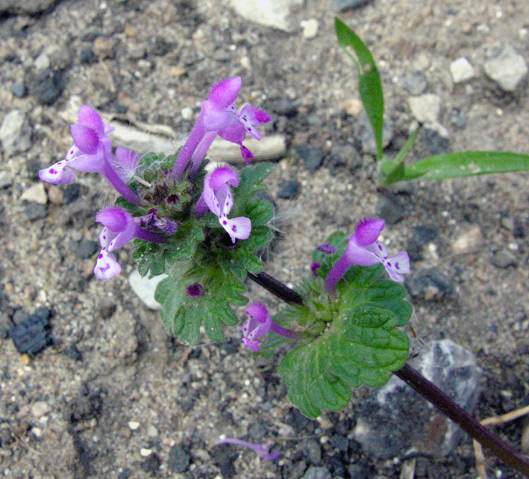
92	152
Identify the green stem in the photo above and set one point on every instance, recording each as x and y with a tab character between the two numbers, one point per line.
426	389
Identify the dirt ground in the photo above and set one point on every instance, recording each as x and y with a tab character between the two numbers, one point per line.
113	396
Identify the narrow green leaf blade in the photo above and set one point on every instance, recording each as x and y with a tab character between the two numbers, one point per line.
466	163
370	85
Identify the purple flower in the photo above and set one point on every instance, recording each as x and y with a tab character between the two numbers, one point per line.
91	152
195	290
126	163
314	267
262	450
327	248
218	116
218	197
119	228
258	324
364	249
151	222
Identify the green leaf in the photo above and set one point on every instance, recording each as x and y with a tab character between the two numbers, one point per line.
182	315
259	238
251	178
259	211
184	242
359	344
369	84
393	170
466	163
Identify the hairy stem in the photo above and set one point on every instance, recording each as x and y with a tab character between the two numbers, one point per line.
426	389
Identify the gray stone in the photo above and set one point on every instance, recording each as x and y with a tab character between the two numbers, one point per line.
396	418
26	7
270	13
6	179
288	190
425	108
342	5
415	84
312	157
145	288
178	459
317	473
430	285
86	248
507	68
504	259
18	89
312	451
389	209
47	86
15	133
435	139
34	211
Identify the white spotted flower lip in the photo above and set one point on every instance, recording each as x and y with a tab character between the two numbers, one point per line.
219	199
119	227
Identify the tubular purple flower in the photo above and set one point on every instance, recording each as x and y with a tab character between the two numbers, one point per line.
91	152
119	227
258	324
218	197
218	116
364	249
262	450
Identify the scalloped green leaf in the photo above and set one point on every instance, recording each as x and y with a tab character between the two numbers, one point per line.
358	344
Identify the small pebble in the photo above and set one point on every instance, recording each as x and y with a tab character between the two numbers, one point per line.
310	28
187	113
39	409
504	259
19	90
35	193
425	108
461	70
415	84
144	452
470	240
288	190
134	425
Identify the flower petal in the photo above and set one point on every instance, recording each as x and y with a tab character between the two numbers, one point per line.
85	139
58	174
237	228
258	311
368	231
358	255
106	267
126	163
217	120
223	94
90	118
223	175
397	265
246	154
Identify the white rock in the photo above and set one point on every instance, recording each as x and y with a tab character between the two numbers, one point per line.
187	113
152	431
15	133
270	13
310	28
145	287
39	409
425	108
461	70
471	240
35	193
133	425
144	452
42	62
507	69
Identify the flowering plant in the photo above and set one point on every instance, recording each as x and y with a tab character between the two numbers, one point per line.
205	227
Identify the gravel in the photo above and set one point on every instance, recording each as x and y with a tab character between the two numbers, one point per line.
130	370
